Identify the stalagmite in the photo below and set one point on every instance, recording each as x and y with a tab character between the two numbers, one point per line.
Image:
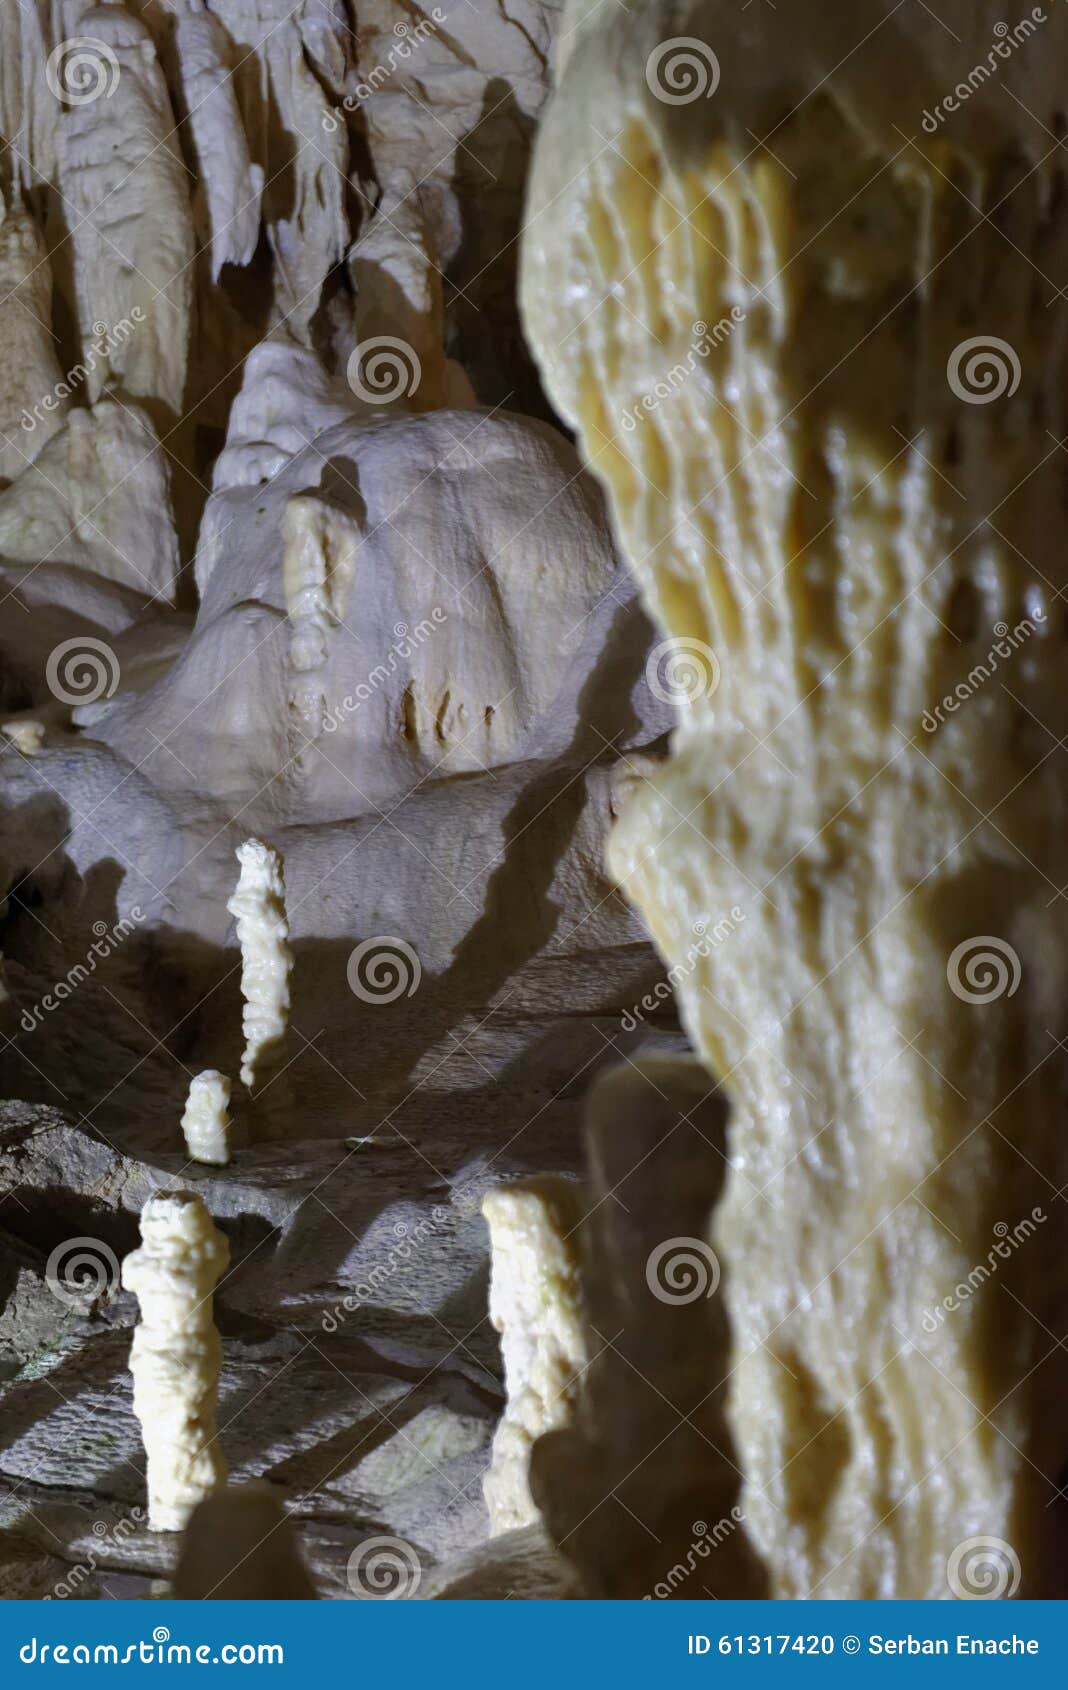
176	1356
642	1493
206	1123
259	907
534	1305
822	388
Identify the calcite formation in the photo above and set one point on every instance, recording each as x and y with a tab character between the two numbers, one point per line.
293	549
32	374
206	1125
534	1305
254	587
805	315
176	1355
258	905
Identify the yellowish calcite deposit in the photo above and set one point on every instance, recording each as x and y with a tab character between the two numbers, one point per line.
807	324
535	1306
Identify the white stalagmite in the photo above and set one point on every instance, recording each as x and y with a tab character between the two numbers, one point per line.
206	1122
259	907
534	1305
176	1357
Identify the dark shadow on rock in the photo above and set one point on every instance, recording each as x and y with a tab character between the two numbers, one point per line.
492	162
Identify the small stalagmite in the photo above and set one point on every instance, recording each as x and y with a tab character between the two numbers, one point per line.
176	1357
534	1305
258	905
206	1122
